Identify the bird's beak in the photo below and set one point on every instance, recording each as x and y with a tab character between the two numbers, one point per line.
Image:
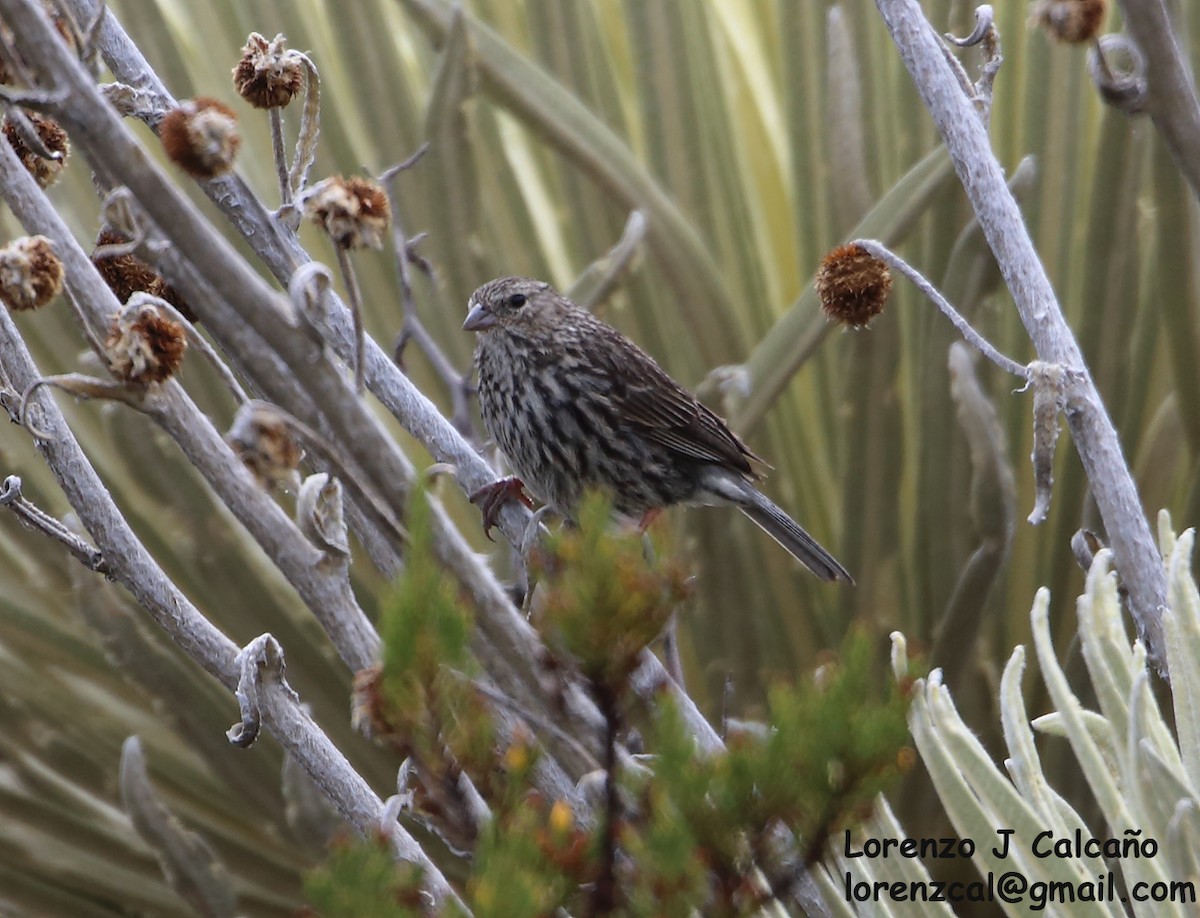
479	318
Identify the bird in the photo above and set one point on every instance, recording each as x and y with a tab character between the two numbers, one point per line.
574	404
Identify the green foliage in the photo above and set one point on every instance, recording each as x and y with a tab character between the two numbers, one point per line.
530	862
362	878
422	698
672	873
687	832
830	749
423	626
603	596
1139	769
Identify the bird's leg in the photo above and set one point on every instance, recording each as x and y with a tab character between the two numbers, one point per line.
648	519
492	497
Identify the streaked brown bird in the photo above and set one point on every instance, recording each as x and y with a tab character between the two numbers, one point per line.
575	404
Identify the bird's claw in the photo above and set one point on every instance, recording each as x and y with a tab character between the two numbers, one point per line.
491	498
648	519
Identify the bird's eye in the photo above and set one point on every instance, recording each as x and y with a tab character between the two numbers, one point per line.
517	300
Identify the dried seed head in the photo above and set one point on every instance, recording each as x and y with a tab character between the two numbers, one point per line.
201	137
268	75
61	24
265	444
30	273
1070	21
853	285
144	346
353	211
128	274
44	171
367	705
124	274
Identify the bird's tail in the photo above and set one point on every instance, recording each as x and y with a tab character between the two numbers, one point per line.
787	532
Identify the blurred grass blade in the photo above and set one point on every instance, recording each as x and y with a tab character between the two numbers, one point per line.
993	510
452	161
599	279
850	187
189	864
557	116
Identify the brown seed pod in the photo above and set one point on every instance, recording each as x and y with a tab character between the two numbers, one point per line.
367	705
853	285
124	274
353	211
201	137
44	171
127	274
268	75
265	444
144	346
1070	21
31	275
61	24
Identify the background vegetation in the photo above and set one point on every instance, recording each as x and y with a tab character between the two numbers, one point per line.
755	136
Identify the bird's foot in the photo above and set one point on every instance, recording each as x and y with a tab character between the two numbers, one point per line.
491	498
648	519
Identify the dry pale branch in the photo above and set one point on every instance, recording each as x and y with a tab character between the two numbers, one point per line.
1095	437
131	565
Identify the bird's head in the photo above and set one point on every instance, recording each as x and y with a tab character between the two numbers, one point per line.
513	303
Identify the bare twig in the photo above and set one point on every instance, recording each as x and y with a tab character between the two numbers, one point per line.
80	386
1118	69
131	565
411	328
605	892
310	127
35	518
197	341
1095	437
354	294
1171	93
36	100
987	37
980	343
332	456
279	153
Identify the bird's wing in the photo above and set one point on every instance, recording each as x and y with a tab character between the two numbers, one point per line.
666	413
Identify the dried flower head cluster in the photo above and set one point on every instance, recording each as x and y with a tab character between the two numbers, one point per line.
45	171
1070	21
61	24
262	440
126	274
201	137
30	273
353	211
144	346
853	285
268	75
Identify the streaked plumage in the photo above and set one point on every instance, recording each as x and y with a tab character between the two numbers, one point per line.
574	404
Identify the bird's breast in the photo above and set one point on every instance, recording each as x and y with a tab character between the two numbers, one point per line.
560	425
